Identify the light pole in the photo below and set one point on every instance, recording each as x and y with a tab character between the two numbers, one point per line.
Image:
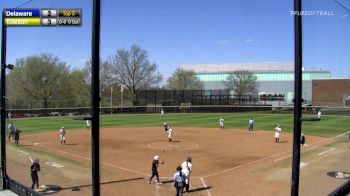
111	99
121	98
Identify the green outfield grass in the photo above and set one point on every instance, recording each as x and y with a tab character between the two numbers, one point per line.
327	127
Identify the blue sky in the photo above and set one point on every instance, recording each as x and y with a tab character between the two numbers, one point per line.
177	32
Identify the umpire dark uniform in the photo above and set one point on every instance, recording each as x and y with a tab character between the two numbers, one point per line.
34	169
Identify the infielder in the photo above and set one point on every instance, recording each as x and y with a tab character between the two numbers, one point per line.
319	114
88	124
251	124
166	127
186	170
62	134
221	122
170	133
162	113
278	131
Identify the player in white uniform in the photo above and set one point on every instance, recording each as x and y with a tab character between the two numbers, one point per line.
319	114
187	169
88	124
278	131
170	134
221	122
251	124
162	113
62	134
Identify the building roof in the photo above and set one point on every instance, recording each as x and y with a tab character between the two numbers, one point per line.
253	67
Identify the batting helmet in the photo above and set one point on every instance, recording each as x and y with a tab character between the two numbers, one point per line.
156	157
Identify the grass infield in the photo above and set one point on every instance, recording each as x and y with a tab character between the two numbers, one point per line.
328	126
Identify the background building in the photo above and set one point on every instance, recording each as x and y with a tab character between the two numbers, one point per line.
274	78
331	92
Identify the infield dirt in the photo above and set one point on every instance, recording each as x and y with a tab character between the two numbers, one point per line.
225	162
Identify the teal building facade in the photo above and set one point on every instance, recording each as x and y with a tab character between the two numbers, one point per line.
272	77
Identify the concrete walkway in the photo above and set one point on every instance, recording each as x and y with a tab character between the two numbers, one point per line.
7	193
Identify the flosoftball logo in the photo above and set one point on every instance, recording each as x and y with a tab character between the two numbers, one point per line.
312	13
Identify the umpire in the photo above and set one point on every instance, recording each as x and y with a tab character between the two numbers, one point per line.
34	169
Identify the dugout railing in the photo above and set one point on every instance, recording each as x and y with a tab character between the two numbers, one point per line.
20	189
344	189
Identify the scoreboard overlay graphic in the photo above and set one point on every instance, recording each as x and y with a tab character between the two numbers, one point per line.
42	17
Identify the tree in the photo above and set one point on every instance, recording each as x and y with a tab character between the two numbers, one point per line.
132	69
40	78
184	80
242	83
80	88
105	77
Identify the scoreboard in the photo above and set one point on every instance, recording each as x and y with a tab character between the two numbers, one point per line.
42	17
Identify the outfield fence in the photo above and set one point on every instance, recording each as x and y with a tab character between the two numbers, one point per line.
183	108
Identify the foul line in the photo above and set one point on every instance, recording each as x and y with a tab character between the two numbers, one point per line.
89	159
324	152
25	153
205	186
268	157
103	163
282	158
245	164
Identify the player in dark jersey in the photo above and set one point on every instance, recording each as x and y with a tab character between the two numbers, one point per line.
302	140
155	164
34	169
166	127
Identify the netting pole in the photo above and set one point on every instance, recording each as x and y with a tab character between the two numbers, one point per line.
95	98
3	112
297	97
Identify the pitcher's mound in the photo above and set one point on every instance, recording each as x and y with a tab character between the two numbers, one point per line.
177	145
